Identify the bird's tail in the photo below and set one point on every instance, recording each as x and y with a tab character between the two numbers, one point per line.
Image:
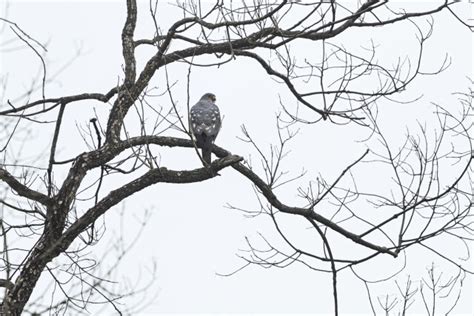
206	150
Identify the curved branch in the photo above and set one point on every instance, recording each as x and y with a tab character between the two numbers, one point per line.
95	159
306	212
285	79
406	16
22	189
64	100
160	175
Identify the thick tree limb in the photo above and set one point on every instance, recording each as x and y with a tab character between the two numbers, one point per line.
53	241
128	47
249	174
125	98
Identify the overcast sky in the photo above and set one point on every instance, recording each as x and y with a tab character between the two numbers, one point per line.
191	235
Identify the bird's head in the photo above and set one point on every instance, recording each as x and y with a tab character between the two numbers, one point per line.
209	97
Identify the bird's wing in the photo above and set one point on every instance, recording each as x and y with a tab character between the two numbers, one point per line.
216	118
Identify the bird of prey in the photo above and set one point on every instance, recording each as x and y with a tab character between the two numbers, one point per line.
205	124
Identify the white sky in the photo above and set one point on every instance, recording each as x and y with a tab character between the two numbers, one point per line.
191	235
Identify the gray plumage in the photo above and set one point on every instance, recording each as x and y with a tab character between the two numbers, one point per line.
205	124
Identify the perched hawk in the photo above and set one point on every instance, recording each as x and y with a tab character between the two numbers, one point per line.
205	123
